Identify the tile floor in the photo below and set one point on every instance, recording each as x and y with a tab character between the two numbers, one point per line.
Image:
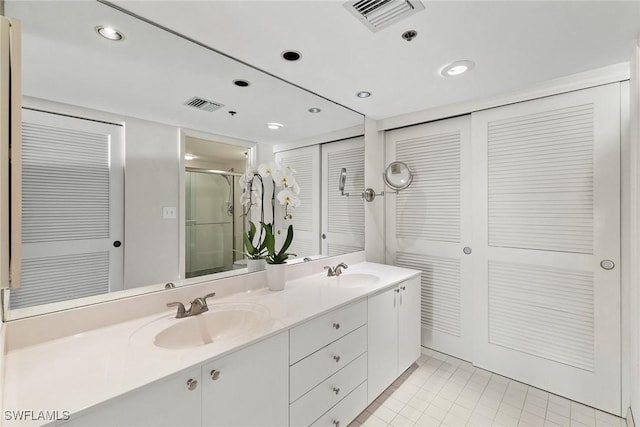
440	390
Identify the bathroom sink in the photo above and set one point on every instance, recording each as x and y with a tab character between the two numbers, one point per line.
222	322
351	280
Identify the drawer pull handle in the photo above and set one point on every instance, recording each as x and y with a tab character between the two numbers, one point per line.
192	384
336	423
336	358
336	390
215	374
336	326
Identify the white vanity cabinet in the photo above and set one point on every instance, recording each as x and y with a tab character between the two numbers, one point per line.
328	373
249	387
393	322
172	401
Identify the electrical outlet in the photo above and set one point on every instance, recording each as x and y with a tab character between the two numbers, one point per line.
169	212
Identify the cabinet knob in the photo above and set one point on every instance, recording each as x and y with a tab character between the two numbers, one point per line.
336	390
336	326
336	358
466	250
396	290
403	288
215	374
336	423
192	384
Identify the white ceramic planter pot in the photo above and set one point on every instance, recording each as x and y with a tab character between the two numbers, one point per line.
276	276
254	265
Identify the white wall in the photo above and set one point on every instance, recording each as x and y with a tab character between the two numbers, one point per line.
152	181
633	296
2	352
374	164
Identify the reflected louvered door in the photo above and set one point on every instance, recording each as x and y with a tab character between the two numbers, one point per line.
343	216
547	212
428	226
72	209
306	218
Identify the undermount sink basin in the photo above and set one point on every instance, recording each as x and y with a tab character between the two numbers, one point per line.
222	322
351	280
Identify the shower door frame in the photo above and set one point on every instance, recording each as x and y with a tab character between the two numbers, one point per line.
183	224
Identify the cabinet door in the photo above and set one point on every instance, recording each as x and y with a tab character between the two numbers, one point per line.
342	217
169	402
306	218
547	243
429	225
383	341
408	323
251	387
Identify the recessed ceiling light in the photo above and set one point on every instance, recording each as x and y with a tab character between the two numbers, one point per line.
109	33
363	94
241	83
190	156
457	68
291	55
409	35
314	110
274	126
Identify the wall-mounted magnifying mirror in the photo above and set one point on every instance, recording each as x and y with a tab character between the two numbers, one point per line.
398	176
343	180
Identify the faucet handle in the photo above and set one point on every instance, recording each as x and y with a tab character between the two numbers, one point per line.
330	271
211	295
181	310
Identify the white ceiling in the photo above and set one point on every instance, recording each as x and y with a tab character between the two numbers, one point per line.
152	73
514	44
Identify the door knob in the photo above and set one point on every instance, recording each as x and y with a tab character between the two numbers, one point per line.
607	264
117	243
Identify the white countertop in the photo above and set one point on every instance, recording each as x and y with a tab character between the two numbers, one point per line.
77	372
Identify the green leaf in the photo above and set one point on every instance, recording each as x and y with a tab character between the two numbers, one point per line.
288	240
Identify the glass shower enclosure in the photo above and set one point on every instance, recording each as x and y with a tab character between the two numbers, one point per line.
214	223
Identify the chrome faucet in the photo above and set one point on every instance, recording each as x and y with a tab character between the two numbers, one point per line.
198	306
337	270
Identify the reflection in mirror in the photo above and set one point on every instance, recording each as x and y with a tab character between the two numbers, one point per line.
129	227
343	181
398	176
213	213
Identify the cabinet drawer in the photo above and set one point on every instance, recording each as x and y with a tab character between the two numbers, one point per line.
345	411
309	407
312	370
316	333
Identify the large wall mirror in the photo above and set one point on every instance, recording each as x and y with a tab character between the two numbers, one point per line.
133	150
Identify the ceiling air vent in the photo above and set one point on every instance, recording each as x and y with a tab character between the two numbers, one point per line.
378	14
203	104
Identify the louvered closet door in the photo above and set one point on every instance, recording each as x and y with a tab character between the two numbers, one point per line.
428	227
72	209
547	212
342	216
306	218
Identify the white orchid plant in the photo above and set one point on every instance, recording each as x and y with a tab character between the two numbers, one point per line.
283	180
